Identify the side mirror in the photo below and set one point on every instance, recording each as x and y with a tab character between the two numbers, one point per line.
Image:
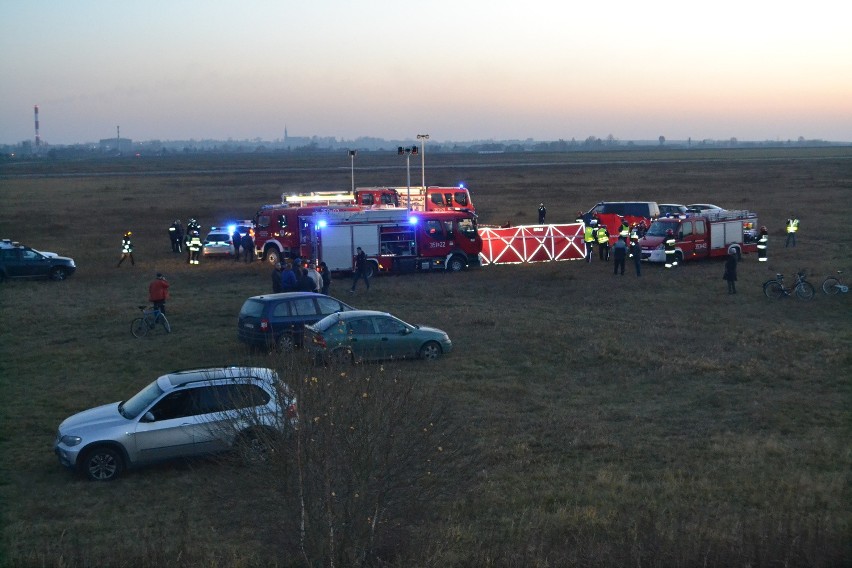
148	417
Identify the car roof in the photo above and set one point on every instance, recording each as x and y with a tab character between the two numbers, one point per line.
286	295
361	313
180	378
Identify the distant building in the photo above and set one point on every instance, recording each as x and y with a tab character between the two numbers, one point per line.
116	146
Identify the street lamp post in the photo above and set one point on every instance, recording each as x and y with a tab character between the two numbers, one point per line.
423	138
352	160
408	151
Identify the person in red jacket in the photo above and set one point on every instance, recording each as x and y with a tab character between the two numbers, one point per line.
158	292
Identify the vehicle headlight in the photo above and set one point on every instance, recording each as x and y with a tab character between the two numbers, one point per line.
71	441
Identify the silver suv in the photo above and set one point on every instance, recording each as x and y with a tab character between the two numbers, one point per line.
182	414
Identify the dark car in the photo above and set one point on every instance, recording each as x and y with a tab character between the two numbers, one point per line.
278	320
19	261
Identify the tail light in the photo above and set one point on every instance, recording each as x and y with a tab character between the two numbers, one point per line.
292	412
318	339
264	325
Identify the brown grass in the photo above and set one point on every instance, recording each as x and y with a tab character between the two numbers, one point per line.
614	420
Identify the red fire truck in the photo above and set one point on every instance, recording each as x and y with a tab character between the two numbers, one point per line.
432	198
394	239
702	236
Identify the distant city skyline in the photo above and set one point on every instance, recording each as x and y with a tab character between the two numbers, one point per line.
497	70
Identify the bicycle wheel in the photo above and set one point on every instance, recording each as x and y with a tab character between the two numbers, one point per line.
830	285
165	323
139	327
805	291
773	290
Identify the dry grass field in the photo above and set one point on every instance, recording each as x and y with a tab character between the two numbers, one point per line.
587	419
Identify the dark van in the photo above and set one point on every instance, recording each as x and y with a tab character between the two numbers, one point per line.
644	209
278	320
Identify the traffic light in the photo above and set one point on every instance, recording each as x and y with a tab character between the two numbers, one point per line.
414	150
400	150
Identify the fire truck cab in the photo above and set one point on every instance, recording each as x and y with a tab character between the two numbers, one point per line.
279	232
701	236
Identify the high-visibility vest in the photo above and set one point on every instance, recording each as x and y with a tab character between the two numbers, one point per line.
603	236
589	235
126	246
624	230
792	225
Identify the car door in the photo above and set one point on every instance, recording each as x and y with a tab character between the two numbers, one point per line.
394	339
168	429
361	338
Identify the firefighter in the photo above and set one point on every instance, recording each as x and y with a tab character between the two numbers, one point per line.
762	244
603	242
641	229
247	243
792	227
624	229
671	260
176	235
542	211
236	239
194	246
589	238
127	249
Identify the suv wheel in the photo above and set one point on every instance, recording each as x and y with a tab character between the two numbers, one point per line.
102	463
58	274
286	343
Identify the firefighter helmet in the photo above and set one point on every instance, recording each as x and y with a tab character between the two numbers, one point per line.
669	232
127	234
763	228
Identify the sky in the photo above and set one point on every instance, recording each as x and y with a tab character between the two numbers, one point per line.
458	70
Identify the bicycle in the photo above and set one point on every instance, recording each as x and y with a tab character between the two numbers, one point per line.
775	289
151	318
833	285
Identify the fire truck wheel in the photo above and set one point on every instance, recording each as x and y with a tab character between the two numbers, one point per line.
273	256
456	264
430	351
372	269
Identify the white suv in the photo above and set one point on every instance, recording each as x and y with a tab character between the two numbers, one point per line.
182	414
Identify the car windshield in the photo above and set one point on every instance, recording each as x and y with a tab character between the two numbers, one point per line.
325	323
218	237
252	308
132	408
658	229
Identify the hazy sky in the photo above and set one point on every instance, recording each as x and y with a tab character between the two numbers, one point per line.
456	69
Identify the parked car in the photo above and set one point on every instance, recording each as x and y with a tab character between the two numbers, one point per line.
672	209
218	243
179	415
704	208
366	335
278	320
19	261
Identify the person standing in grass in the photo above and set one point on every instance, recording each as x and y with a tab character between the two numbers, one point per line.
792	229
158	292
619	254
127	249
542	211
326	277
636	253
731	270
360	270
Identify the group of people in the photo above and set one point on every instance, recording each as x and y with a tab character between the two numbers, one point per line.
626	245
301	276
191	240
244	242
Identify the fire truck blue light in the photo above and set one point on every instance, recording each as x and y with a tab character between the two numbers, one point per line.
322	223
